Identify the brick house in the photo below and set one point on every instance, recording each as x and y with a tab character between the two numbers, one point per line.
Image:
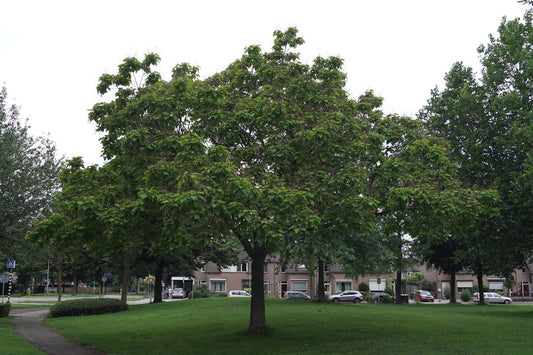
297	278
277	280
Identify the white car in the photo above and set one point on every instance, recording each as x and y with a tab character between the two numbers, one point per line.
238	293
492	297
347	296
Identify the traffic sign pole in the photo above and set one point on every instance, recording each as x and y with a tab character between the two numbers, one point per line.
10	266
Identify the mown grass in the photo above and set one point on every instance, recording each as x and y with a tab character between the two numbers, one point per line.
218	325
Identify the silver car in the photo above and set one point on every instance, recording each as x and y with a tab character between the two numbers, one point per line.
178	293
347	296
492	297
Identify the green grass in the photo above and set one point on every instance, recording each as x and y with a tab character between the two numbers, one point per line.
218	325
11	343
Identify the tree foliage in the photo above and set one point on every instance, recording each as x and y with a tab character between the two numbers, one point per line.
28	183
487	121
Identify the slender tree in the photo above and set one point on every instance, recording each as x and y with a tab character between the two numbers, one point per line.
28	182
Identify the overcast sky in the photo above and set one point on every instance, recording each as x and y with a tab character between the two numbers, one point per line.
53	52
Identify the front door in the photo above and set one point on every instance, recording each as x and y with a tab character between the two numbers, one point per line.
283	288
525	289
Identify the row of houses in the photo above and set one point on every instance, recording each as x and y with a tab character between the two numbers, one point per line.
278	280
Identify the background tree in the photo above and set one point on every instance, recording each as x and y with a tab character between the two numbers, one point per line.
488	125
28	182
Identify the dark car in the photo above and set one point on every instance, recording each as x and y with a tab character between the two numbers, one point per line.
296	295
424	296
382	297
347	296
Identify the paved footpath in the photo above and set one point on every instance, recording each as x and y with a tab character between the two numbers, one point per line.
31	327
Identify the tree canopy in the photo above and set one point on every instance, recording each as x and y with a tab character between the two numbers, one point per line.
28	183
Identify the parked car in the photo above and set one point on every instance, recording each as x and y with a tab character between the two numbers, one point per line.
492	297
238	293
424	296
347	296
178	293
296	295
378	297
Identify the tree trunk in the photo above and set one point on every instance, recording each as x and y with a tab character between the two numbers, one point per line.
321	291
453	289
75	289
480	284
398	288
257	310
158	286
125	279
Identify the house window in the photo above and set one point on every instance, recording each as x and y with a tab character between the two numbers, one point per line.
299	285
218	286
265	268
377	284
343	286
243	267
301	267
496	285
245	283
464	285
266	288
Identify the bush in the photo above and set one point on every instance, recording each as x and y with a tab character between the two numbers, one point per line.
86	307
200	291
363	287
466	295
389	290
367	296
4	309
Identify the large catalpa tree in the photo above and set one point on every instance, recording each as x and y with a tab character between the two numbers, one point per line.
272	160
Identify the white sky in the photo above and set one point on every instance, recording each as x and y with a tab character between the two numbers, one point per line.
53	52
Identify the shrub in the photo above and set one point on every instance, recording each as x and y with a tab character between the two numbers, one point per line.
367	296
200	291
389	290
466	295
4	309
363	287
86	307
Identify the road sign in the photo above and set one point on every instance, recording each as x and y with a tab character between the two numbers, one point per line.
108	274
11	264
4	278
104	279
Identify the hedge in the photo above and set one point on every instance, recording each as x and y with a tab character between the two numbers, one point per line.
87	307
4	309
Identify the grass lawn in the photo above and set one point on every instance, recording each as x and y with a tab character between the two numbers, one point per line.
218	325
